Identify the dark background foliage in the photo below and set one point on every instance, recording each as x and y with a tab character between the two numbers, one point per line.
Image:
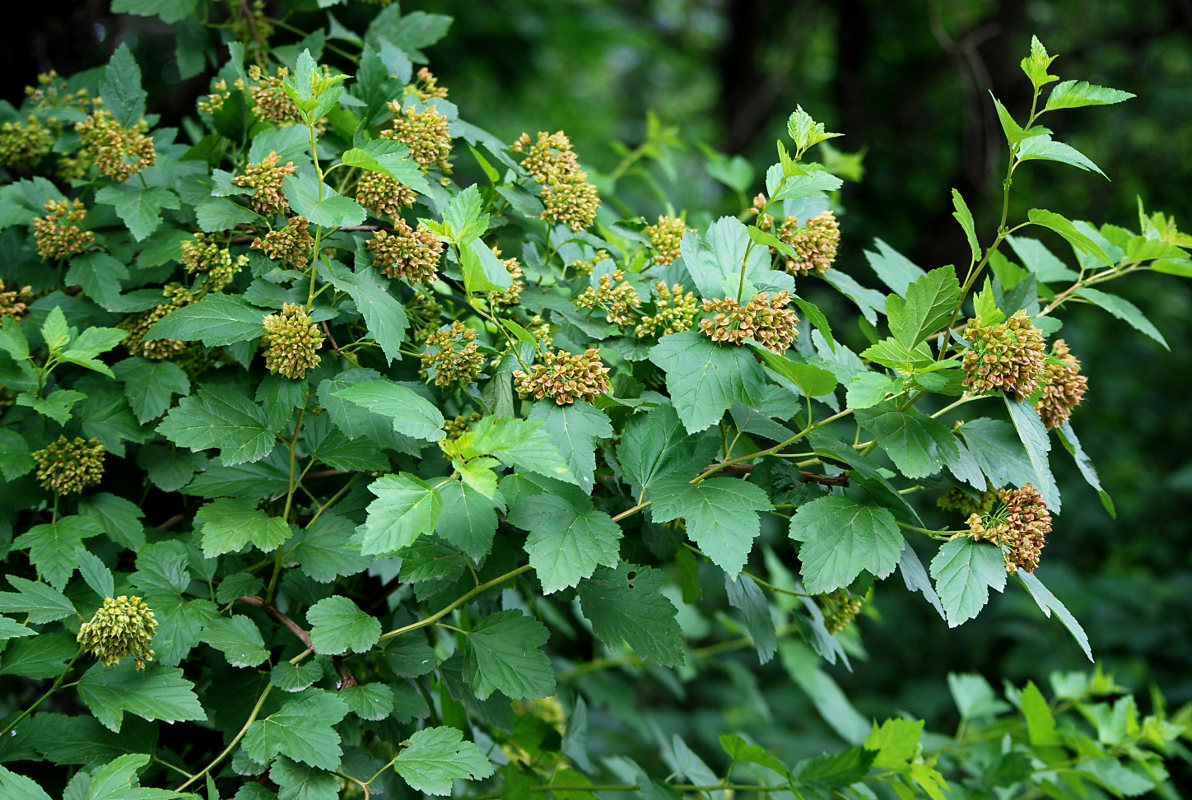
908	83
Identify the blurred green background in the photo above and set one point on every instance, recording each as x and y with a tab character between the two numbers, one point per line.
908	83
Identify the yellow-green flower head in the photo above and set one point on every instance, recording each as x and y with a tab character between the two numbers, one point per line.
68	466
619	302
57	234
457	426
425	133
407	253
815	243
452	355
566	194
269	99
565	377
382	195
510	296
292	341
266	178
122	627
666	237
117	152
292	244
958	500
765	319
673	311
22	145
839	609
1019	526
176	296
1007	357
1063	386
203	256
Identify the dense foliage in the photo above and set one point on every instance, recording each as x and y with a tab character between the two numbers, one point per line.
376	480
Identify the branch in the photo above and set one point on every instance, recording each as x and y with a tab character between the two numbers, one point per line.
345	678
826	480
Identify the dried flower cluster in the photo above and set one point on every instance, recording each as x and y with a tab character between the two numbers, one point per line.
137	325
67	466
22	145
122	627
57	234
117	152
1063	386
566	193
203	256
425	133
1006	357
407	253
266	178
1019	527
666	238
382	195
292	341
673	311
565	377
452	356
13	301
839	609
619	302
292	244
765	319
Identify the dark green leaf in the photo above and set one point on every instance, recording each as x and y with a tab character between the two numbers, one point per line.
721	513
705	379
218	319
1084	464
151	385
53	546
964	572
39	601
930	303
303	729
220	417
121	89
1049	603
566	543
383	315
574	429
504	654
328	209
411	414
138	206
238	638
626	605
917	444
227	526
745	596
155	693
842	538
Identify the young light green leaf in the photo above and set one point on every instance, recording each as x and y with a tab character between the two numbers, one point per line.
805	131
411	414
740	750
1033	435
929	305
227	526
1124	310
1077	94
1040	724
869	388
1065	228
220	417
1044	148
389	158
482	270
339	626
518	443
964	572
218	319
721	513
626	605
574	429
155	693
406	507
965	218
433	757
896	743
566	543
841	538
1035	65
302	729
503	653
704	379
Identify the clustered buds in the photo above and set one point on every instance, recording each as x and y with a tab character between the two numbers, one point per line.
22	145
586	267
620	302
426	86
137	325
57	234
122	627
839	609
425	133
117	152
1006	357
510	296
458	426
814	242
452	355
407	253
292	244
566	193
269	99
765	319
565	377
68	466
666	237
1063	386
425	312
382	195
201	254
1019	527
266	177
51	92
14	301
292	341
956	499
674	311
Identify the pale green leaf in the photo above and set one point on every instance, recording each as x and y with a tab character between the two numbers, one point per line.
964	572
433	757
406	507
302	729
1124	310
411	413
227	526
339	626
842	538
218	319
721	513
574	429
705	379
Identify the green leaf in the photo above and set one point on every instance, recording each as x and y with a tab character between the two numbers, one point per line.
469	517
1117	777
332	211
56	405
44	656
965	218
155	693
740	750
90	343
574	430
406	507
1065	228
15	455
1084	464
655	445
56	330
322	550
411	414
220	417
870	388
626	605
746	596
1044	148
1033	435
95	573
1048	603
503	653
371	701
238	638
841	539
817	318
222	214
1035	65
303	729
802	664
482	270
835	769
705	379
151	385
121	89
566	543
1040	724
53	546
721	513
1077	94
896	743
811	184
299	782
11	629
930	303
518	443
227	526
295	677
383	315
463	217
812	381
805	131
100	275
40	601
964	572
218	319
433	757
120	518
917	444
17	787
974	697
1124	310
339	626
894	269
390	158
138	206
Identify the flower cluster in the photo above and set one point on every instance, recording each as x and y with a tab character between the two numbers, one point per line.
814	242
138	325
765	319
202	255
407	253
266	178
620	302
117	152
839	609
57	234
1019	527
673	311
68	466
566	193
1063	386
956	499
452	355
564	377
425	133
22	145
269	99
14	301
425	312
51	92
586	267
1006	357
666	237
122	627
510	296
292	244
382	195
426	86
292	341
251	26
457	426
